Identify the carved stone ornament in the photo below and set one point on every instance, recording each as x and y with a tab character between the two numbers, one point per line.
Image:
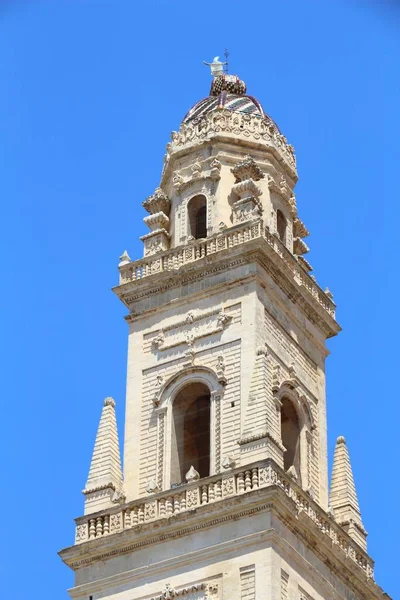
118	497
300	247
246	189
192	475
292	472
158	341
220	369
157	202
196	169
247	169
224	121
157	221
155	241
124	259
158	386
152	487
247	209
215	172
299	229
276	378
228	462
177	181
223	319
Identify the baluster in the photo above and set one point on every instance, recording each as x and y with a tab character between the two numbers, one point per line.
168	506
99	527
183	502
135	518
92	528
176	505
211	493
204	495
128	522
254	478
106	525
141	513
240	483
247	480
218	490
162	508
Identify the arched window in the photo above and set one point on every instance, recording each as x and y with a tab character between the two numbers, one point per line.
190	432
281	225
290	431
197	213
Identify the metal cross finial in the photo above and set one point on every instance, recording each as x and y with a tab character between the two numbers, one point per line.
226	54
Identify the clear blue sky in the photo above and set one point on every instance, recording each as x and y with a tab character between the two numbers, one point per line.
89	92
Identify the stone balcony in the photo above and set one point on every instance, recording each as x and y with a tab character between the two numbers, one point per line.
241	235
217	493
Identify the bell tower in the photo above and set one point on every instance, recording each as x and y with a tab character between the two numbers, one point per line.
224	492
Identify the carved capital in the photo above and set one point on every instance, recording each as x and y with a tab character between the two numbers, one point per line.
247	169
157	202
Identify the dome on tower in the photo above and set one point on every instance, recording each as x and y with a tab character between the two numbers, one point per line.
227	92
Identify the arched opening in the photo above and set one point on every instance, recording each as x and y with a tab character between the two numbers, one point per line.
281	225
190	432
197	212
290	431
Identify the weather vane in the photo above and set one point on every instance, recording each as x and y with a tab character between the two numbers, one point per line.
217	66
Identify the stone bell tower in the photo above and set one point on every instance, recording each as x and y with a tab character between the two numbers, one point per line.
224	493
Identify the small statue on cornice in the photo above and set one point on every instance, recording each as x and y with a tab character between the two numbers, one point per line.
216	66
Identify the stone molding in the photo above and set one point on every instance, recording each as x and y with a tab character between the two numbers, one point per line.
137	281
253	483
186	331
227	124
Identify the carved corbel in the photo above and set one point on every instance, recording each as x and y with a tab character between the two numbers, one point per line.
299	247
215	172
196	169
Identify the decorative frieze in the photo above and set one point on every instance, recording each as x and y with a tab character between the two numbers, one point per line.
190	329
235	125
195	591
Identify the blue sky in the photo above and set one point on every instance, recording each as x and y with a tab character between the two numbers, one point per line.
89	93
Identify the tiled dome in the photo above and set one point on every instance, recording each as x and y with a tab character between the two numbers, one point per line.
227	92
233	102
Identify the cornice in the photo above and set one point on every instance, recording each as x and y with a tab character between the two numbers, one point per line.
256	250
204	517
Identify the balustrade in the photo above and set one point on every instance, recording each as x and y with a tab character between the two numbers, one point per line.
211	490
175	258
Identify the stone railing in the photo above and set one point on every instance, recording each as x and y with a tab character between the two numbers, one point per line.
235	124
171	260
211	490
